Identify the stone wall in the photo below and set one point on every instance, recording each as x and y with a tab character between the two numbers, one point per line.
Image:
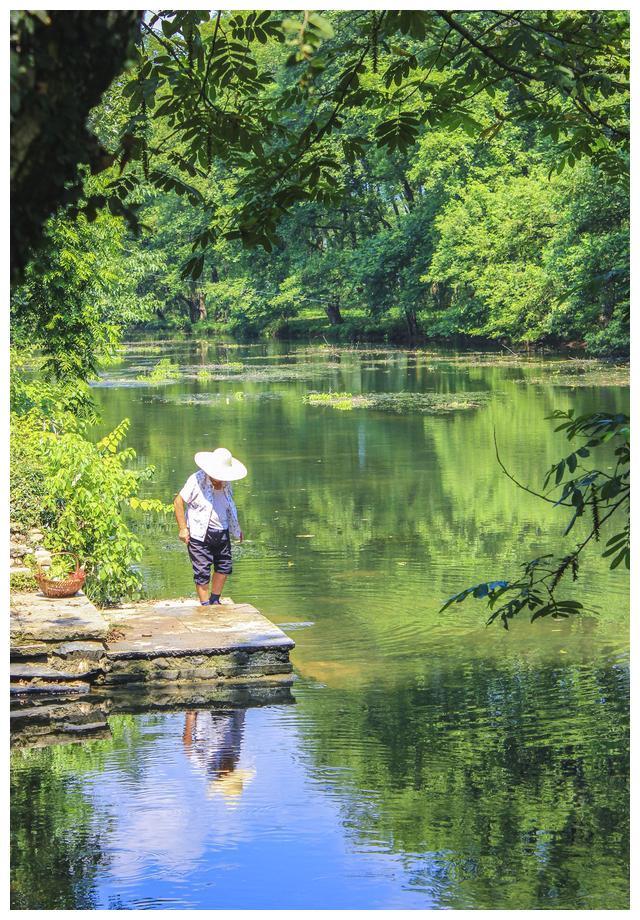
26	544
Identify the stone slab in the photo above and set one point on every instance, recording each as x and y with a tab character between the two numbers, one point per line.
201	694
30	670
170	629
36	618
88	651
163	641
30	652
33	670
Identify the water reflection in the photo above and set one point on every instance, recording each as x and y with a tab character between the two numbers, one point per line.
212	742
428	762
483	784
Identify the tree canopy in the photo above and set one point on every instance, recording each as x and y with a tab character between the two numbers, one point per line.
276	100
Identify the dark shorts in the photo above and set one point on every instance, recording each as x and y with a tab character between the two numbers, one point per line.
214	550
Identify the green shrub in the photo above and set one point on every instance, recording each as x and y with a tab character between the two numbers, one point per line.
87	487
75	489
22	582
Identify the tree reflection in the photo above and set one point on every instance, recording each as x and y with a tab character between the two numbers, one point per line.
512	780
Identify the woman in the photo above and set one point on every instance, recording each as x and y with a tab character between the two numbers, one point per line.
206	513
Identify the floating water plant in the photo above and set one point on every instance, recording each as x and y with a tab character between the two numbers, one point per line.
584	376
209	399
164	370
399	402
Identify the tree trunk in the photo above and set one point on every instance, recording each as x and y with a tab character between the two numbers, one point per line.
408	192
333	312
412	322
65	60
441	294
197	306
202	309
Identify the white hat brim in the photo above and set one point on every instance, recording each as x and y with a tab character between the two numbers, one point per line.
225	473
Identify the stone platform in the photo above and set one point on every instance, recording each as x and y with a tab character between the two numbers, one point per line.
37	619
182	641
65	645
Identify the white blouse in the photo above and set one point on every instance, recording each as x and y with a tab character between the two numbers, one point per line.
206	506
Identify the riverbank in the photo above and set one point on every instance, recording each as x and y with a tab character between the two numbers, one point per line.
358	328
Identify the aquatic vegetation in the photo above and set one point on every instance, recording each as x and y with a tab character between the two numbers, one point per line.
211	371
164	370
482	359
598	375
226	366
399	402
210	399
147	348
270	373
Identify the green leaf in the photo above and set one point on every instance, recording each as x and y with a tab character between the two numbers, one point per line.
611	488
322	25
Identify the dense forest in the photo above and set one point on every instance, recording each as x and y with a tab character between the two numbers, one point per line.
364	174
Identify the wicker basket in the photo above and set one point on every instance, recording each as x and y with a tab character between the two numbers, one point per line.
61	587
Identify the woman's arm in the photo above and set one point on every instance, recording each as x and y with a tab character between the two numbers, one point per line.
178	507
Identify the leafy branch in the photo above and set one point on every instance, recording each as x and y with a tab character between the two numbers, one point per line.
593	491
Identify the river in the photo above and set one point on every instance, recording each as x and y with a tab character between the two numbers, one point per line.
426	760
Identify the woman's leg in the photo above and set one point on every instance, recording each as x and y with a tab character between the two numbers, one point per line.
202	592
221	564
201	556
217	583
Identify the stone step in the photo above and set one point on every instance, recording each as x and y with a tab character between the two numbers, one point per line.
36	650
32	670
86	651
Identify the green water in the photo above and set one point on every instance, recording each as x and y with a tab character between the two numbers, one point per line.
427	761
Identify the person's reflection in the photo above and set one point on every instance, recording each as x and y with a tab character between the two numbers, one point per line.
212	741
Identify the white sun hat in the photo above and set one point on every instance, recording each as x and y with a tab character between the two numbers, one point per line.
219	464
